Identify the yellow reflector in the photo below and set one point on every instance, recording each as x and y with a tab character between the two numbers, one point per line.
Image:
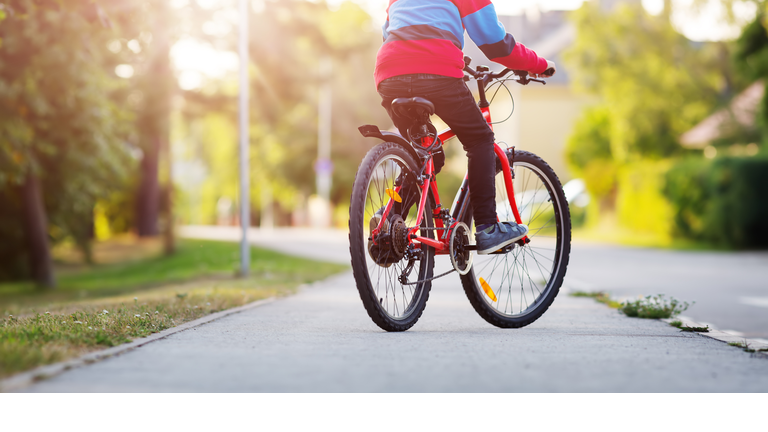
487	289
392	194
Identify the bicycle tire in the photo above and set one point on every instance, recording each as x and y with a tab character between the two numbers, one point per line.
531	207
380	298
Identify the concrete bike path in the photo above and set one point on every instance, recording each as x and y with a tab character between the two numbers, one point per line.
321	340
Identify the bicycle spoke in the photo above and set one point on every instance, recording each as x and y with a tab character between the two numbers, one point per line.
523	276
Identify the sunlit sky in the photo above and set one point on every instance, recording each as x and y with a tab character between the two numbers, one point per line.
195	61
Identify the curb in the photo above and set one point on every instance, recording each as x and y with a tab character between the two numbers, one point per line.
713	333
722	336
24	379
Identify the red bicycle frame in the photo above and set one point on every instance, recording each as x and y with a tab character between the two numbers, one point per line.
441	245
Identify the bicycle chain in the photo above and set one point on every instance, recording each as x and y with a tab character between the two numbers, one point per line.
430	279
433	277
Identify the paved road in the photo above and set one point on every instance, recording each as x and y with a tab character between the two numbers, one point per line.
730	288
321	340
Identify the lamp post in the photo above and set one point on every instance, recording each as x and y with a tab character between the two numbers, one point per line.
245	187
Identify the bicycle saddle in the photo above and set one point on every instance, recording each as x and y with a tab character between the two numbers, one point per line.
416	108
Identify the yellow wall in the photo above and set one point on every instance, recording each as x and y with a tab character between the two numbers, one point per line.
543	120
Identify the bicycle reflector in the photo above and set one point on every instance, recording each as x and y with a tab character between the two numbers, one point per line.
488	290
394	195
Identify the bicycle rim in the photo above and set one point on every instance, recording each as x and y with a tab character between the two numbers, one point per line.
520	283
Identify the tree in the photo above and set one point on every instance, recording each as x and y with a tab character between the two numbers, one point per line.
288	39
61	135
654	83
751	60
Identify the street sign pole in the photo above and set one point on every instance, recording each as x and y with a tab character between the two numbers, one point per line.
324	166
245	188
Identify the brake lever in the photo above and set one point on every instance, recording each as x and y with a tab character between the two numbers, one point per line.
524	80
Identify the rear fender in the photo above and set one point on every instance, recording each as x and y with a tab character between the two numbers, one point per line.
372	131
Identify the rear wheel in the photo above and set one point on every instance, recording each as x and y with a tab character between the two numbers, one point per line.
513	288
387	269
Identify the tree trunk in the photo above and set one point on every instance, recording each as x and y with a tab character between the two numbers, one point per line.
36	232
148	199
154	121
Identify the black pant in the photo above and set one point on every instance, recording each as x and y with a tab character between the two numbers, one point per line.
456	106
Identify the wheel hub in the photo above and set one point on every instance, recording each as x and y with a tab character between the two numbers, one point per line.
391	244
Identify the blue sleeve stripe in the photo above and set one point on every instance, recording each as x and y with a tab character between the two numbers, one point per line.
421	32
441	14
499	49
384	32
484	27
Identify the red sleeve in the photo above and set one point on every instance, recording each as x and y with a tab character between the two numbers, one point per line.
522	58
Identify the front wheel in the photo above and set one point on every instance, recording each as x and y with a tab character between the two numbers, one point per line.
391	274
513	288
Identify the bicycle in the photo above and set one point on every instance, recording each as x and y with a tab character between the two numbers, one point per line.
398	224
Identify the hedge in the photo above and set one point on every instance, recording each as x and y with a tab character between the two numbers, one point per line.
722	201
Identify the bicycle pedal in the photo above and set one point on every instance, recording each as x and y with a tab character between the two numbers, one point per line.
504	250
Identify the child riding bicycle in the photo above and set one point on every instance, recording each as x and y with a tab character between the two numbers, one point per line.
422	56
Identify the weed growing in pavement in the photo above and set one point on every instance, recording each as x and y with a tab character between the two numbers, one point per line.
654	307
695	329
685	328
599	296
744	345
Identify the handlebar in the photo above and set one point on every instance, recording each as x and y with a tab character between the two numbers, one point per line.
484	74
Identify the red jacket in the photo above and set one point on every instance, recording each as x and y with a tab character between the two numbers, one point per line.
427	36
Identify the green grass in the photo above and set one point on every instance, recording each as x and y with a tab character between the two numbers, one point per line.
599	296
194	259
112	304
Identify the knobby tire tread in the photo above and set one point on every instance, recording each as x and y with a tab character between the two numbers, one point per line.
357	248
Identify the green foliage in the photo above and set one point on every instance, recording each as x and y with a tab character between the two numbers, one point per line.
652	82
588	152
58	115
751	60
751	49
288	40
640	204
721	201
654	307
590	139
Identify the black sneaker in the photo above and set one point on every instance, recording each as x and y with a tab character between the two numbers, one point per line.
498	235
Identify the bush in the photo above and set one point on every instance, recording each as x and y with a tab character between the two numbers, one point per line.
722	201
